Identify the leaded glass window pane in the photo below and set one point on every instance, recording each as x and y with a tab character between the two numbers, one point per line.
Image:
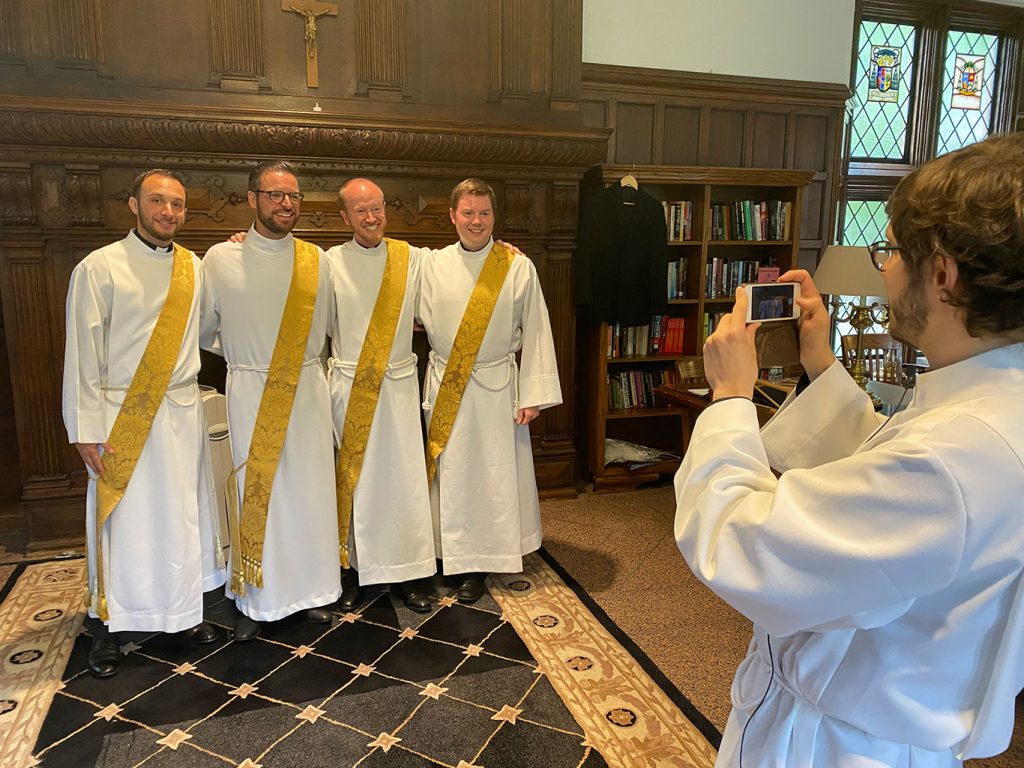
865	222
965	114
881	91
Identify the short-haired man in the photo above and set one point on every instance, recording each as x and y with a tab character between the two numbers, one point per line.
383	507
482	305
884	569
132	408
267	306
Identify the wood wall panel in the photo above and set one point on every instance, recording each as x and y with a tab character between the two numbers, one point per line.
812	142
726	128
634	133
236	38
682	136
381	45
566	51
10	39
768	145
74	28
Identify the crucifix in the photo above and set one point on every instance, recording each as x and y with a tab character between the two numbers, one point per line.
310	11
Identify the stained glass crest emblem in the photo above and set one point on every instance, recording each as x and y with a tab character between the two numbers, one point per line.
968	75
884	75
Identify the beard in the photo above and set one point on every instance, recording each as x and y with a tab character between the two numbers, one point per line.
149	230
908	314
266	218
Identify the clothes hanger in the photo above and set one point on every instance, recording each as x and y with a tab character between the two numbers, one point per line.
629	180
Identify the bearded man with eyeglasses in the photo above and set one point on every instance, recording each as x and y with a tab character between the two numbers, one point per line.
268	304
884	569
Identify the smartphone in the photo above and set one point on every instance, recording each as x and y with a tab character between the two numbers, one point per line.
767	302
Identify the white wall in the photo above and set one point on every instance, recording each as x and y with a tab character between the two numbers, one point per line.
785	39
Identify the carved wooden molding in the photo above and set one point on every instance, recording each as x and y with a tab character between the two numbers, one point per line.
10	42
236	38
380	41
566	48
510	36
76	32
16	195
45	122
704	86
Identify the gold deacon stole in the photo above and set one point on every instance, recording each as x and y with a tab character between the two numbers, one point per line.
367	381
271	425
141	402
460	363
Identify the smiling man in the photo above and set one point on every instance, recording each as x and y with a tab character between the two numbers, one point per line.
132	409
268	303
884	569
482	307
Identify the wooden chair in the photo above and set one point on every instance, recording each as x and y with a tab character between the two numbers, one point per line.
883	356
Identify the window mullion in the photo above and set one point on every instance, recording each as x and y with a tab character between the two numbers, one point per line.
929	86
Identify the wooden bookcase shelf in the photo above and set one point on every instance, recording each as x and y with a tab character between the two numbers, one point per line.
663	426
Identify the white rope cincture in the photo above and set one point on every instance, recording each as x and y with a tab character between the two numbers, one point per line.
434	375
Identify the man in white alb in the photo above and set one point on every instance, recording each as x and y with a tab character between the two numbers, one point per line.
375	397
268	304
132	408
482	305
884	569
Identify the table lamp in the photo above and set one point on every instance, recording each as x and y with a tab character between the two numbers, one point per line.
846	270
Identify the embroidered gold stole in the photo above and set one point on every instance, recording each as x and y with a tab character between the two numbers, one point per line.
367	382
271	425
467	343
141	402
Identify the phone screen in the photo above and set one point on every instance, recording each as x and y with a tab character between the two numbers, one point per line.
772	301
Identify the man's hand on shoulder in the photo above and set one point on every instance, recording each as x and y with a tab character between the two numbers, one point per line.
238	237
91	455
510	247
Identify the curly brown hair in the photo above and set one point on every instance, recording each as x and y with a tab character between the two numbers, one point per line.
969	206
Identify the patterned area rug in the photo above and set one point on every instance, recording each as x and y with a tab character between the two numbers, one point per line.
528	676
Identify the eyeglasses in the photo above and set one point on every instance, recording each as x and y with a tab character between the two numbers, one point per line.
277	196
880	254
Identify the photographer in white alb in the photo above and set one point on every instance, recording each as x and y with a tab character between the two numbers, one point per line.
883	568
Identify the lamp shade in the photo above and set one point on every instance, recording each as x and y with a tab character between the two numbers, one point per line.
847	270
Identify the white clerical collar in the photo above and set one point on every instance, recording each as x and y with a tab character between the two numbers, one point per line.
476	254
151	245
974	377
269	245
375	249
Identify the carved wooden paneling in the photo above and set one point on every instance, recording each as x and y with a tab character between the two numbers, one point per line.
10	40
564	206
812	142
510	49
725	134
769	140
16	194
380	44
517	206
811	219
83	184
74	26
236	38
682	135
558	296
634	133
566	48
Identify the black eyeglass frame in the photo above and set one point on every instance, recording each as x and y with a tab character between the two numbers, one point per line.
881	247
277	196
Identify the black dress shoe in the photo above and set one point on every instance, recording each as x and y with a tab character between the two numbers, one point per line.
415	598
104	656
200	634
319	615
246	628
472	588
351	596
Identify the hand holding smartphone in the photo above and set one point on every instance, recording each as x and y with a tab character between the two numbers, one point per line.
767	302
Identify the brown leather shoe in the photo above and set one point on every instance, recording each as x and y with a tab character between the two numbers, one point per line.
472	588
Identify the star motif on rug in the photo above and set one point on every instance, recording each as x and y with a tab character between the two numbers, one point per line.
183	669
432	691
129	647
408	633
248	763
310	714
61	686
624	718
175	738
31	762
447	602
507	714
302	650
464	764
385	741
579	663
108	712
503	617
363	670
473	650
243	690
350	618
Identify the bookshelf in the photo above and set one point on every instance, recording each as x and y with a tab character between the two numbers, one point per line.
722	224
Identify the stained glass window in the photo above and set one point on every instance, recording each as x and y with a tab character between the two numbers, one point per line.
881	91
965	104
865	222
